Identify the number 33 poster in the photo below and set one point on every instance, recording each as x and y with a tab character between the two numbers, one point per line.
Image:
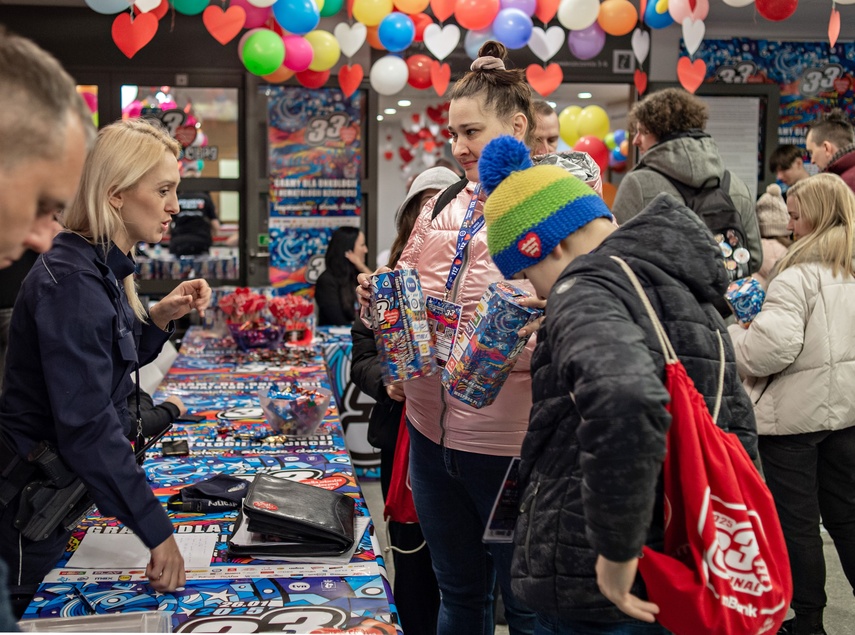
315	163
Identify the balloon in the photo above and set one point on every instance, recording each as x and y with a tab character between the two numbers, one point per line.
298	53
421	22
740	3
132	110
371	12
617	17
567	124
374	39
617	155
682	9
396	32
411	7
576	15
312	79
512	28
190	7
526	6
108	7
476	15
277	77
325	50
255	16
609	140
656	15
620	136
776	10
388	75
418	69
263	52
596	148
592	122
586	43
624	147
297	16
474	40
331	7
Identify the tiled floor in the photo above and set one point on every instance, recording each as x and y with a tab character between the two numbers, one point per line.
839	615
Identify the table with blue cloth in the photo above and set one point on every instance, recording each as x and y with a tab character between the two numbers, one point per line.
236	593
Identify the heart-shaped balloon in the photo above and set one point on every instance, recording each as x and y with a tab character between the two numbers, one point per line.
434	128
430	145
350	37
640	44
546	10
640	81
406	155
435	113
411	137
224	25
691	74
546	44
145	6
833	28
440	76
441	41
131	36
388	155
544	80
442	9
693	34
349	78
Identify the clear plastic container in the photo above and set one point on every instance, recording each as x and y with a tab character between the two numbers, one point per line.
136	622
299	412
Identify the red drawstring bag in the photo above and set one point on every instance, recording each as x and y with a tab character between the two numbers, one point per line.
400	507
725	568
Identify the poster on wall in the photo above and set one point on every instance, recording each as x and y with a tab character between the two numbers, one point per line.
315	149
813	77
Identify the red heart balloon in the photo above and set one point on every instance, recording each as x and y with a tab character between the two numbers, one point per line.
224	25
349	78
388	155
442	9
411	137
131	36
435	114
546	10
544	80
691	74
440	76
406	155
640	79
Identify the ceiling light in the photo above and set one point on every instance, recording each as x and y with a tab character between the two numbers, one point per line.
389	111
403	103
584	95
379	117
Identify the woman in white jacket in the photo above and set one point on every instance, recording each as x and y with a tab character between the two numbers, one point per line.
802	346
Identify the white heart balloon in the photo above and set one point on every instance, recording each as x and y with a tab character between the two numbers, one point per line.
640	45
738	3
434	128
578	15
429	160
546	44
262	3
693	34
145	6
441	41
350	37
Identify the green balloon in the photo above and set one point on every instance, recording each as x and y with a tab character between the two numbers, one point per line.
190	7
331	7
263	52
609	140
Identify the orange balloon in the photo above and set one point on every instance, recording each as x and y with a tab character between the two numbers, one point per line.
442	9
624	147
373	38
411	7
546	9
617	17
279	76
476	15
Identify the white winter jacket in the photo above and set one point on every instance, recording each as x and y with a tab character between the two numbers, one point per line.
803	344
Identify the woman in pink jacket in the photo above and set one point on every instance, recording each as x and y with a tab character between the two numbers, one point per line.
458	454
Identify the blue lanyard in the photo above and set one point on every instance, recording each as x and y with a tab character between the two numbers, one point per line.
467	231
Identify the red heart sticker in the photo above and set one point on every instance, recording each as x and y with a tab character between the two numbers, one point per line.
391	316
544	80
329	483
265	505
841	85
691	74
348	134
529	245
440	76
131	36
185	135
640	79
224	25
349	78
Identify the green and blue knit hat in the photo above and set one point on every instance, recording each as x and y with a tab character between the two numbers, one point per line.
530	209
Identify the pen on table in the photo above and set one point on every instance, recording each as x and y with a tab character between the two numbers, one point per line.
91	608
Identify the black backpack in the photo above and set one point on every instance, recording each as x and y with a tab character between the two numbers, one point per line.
712	203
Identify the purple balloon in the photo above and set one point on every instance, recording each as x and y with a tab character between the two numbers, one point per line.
526	6
255	16
586	43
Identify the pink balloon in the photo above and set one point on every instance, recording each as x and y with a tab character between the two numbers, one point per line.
255	16
298	53
682	9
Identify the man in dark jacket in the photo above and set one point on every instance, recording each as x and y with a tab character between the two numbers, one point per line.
831	143
592	457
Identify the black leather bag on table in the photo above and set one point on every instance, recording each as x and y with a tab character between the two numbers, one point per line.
315	521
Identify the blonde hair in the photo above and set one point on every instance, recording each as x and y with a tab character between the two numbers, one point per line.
827	203
123	154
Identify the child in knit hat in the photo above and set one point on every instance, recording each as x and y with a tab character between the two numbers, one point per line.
773	218
593	452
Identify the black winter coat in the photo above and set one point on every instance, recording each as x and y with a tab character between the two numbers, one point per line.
592	457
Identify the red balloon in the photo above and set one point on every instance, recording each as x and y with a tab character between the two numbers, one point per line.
419	67
421	21
596	148
312	79
776	10
475	15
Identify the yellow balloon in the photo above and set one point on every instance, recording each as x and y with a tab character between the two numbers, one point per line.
593	121
325	48
320	4
371	12
411	7
567	124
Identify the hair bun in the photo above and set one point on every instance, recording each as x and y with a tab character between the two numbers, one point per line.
500	158
491	48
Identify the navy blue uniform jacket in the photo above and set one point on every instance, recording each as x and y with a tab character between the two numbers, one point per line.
72	348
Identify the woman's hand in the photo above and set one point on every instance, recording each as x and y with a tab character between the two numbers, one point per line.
532	327
363	288
176	400
395	391
357	262
189	295
615	581
165	570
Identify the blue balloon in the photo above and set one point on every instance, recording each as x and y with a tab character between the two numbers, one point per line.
108	7
656	19
512	28
617	156
474	40
297	16
620	136
396	32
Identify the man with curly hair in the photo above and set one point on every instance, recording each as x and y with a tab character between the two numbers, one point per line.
667	128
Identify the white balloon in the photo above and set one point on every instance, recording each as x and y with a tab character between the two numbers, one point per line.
145	6
577	15
389	75
108	7
693	34
546	44
350	37
640	45
738	3
845	1
262	3
441	41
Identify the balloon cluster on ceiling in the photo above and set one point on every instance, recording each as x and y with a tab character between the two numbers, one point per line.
281	38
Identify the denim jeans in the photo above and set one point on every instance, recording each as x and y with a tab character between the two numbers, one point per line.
812	475
553	626
454	492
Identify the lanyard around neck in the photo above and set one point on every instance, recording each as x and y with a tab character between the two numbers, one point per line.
468	229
